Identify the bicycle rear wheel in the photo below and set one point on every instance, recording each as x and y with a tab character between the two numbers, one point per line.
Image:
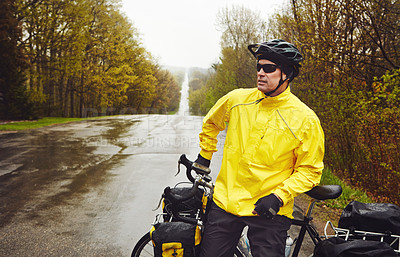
144	248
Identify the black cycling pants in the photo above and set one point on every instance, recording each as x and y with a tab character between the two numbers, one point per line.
223	230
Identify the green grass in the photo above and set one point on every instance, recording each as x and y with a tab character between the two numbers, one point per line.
22	125
348	194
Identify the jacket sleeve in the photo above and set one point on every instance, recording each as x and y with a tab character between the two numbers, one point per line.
309	163
213	123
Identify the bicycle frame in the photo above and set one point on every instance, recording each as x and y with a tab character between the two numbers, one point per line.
306	227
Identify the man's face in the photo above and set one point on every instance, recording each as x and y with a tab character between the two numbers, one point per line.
268	81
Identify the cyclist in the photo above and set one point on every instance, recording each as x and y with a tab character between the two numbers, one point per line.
273	152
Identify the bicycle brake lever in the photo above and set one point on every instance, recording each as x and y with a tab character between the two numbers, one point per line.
159	204
179	169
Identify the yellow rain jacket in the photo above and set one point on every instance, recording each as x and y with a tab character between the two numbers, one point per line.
273	145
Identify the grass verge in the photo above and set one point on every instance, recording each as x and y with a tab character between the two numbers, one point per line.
22	125
349	194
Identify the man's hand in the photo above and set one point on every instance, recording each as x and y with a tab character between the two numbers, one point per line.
203	161
267	206
201	165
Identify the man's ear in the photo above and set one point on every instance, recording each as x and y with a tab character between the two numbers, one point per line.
289	75
284	76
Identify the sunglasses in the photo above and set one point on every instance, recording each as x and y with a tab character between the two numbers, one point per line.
267	68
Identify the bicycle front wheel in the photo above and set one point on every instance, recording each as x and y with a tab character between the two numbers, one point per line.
144	247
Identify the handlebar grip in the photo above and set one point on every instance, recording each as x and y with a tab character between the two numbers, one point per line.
188	164
185	161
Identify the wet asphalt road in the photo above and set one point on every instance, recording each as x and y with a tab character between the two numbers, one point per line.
88	188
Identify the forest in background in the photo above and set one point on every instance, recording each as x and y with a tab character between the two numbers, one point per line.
350	77
77	59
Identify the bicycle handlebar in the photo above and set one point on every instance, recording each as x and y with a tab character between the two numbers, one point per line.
188	164
202	178
199	169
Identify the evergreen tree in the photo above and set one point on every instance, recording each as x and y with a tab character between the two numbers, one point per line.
13	95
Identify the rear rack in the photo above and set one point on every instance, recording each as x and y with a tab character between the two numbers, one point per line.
349	234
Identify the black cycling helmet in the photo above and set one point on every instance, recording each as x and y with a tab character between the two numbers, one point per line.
282	53
278	49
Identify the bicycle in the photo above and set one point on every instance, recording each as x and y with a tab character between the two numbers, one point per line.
144	246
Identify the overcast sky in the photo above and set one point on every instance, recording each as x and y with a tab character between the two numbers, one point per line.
183	32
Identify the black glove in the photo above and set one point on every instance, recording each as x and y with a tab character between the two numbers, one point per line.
201	165
267	206
203	161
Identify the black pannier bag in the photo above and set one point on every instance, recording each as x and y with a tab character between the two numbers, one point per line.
373	217
338	247
178	239
190	207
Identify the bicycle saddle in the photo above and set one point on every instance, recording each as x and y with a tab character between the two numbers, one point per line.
325	192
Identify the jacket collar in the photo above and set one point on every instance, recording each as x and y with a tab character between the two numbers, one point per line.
283	97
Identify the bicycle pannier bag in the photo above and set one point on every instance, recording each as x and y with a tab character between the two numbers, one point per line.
338	247
198	202
175	239
374	217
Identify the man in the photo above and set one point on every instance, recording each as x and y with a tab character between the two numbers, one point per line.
273	152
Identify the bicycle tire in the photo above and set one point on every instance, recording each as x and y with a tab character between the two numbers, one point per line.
144	248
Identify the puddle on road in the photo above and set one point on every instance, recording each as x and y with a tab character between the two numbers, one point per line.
58	164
